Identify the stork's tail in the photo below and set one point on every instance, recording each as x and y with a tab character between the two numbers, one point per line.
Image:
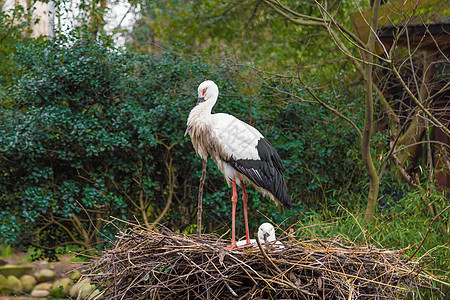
279	189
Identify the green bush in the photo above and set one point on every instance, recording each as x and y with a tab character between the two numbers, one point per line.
94	133
95	136
14	32
320	150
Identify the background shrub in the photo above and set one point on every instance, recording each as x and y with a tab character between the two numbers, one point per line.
95	135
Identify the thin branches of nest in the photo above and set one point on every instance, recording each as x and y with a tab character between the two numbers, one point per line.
160	264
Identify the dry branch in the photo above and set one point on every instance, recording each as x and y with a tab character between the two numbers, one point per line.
150	264
200	199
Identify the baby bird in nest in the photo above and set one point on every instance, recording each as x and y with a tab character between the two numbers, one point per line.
266	235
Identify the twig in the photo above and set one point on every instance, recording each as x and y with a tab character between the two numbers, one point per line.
200	199
160	264
265	255
286	281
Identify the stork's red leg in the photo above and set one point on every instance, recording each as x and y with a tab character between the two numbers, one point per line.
233	217
244	200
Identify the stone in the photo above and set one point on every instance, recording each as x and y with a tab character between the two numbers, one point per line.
28	282
40	293
14	270
46	286
5	288
94	295
75	275
86	290
61	287
15	284
83	288
45	275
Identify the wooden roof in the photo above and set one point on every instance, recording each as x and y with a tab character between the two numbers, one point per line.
427	22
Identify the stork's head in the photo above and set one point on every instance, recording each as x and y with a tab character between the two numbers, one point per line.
266	233
207	90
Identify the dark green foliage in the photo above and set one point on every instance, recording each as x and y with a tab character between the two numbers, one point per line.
246	31
13	33
95	133
320	151
88	136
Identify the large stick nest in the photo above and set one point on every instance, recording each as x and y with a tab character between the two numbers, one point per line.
150	264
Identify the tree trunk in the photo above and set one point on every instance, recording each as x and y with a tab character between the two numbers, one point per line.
368	122
419	124
97	15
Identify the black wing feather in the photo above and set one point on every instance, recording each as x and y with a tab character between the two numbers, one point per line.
267	172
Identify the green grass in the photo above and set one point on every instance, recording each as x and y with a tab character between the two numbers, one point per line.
401	224
5	250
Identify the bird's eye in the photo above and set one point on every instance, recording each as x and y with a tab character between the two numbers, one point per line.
204	92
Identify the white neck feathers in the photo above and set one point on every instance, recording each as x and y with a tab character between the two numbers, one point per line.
201	112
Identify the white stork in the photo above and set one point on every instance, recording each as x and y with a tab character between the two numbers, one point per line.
240	152
266	234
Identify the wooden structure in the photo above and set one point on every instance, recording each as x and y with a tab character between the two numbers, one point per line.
420	27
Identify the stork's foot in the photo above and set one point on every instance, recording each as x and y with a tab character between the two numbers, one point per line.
231	247
239	245
245	245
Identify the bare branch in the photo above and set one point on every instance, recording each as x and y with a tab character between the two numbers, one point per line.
419	104
332	109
